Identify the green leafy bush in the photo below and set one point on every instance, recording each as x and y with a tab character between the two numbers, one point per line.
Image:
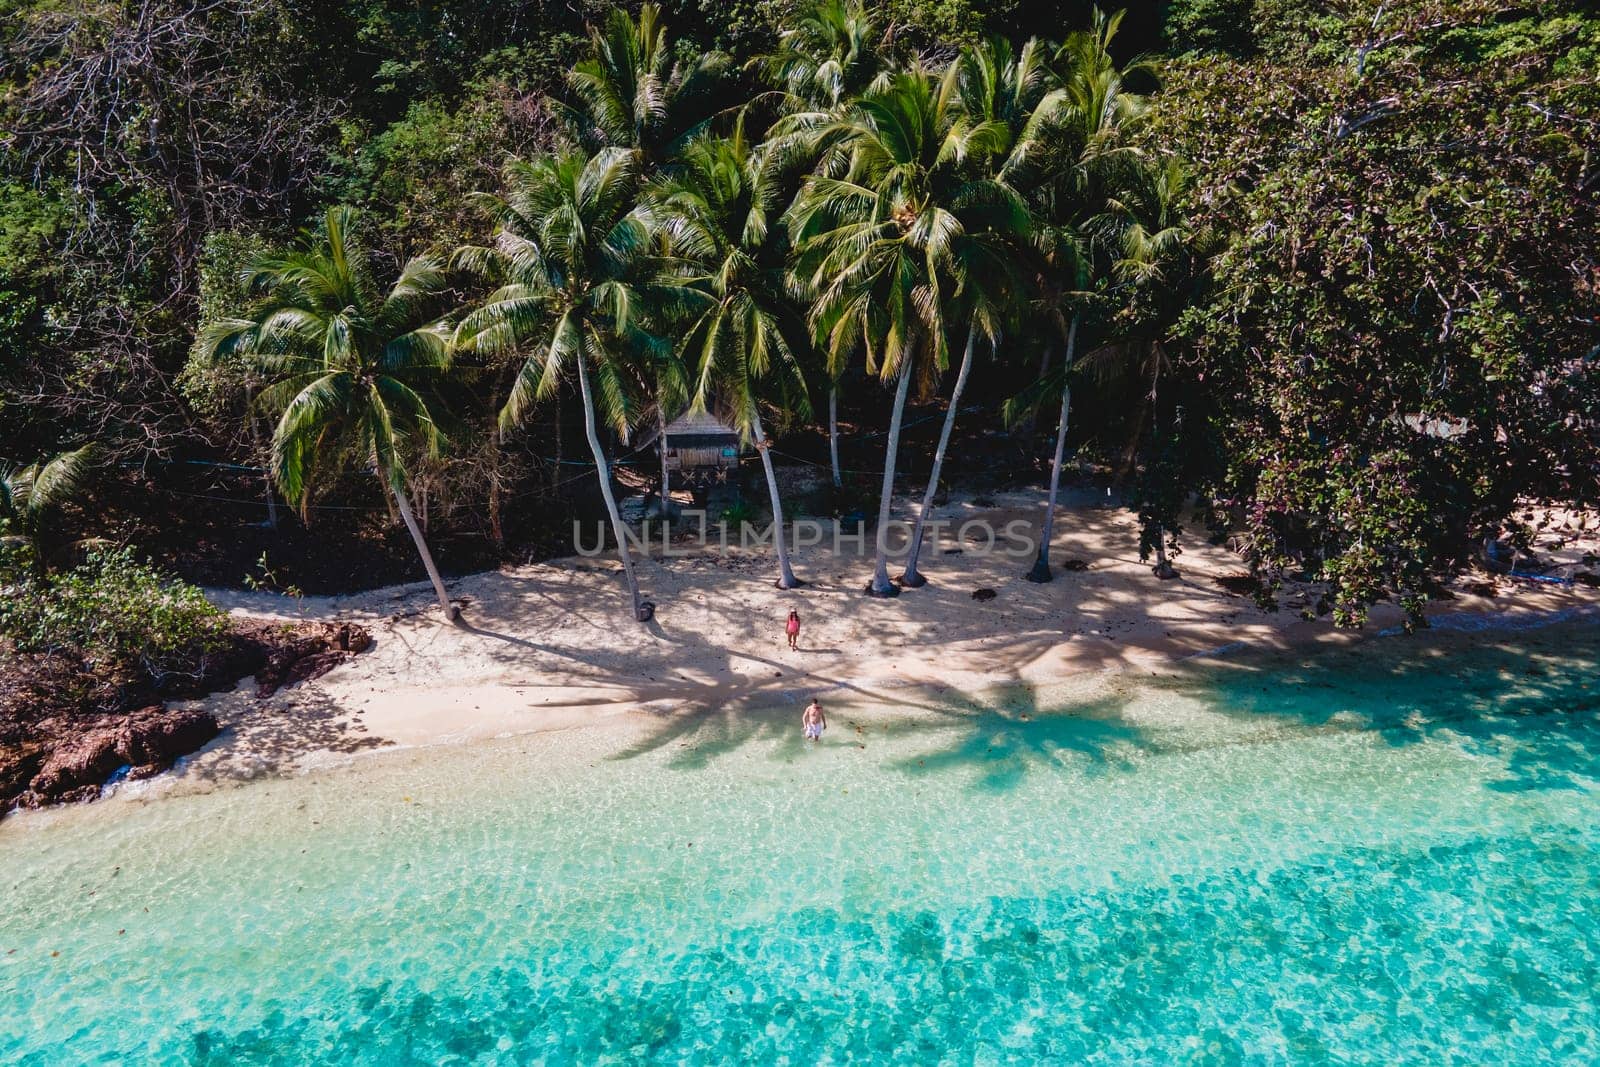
115	612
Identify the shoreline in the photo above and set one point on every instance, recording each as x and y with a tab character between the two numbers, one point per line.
547	647
620	731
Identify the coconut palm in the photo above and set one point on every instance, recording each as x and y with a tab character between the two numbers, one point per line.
578	276
1083	150
1154	243
631	92
30	497
1066	265
664	378
888	249
1009	102
829	53
986	301
740	343
354	369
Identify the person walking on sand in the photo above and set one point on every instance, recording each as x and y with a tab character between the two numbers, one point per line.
814	721
792	628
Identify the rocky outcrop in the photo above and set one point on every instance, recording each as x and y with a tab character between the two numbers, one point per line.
146	741
309	651
62	735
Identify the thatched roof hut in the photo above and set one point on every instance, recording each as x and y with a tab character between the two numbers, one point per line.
701	447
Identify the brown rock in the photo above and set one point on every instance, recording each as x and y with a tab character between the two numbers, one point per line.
149	738
296	656
156	736
313	666
17	768
85	760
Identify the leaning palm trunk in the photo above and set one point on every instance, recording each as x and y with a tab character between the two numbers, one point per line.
422	549
912	577
833	433
786	578
880	584
603	469
1041	566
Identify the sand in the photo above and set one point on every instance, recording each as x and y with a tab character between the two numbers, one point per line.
552	646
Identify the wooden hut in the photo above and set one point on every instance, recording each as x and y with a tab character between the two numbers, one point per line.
701	450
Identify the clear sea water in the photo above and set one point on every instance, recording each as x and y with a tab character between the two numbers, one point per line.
1387	854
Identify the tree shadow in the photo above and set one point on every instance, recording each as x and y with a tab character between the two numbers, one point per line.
268	737
711	672
1528	700
1005	739
1528	703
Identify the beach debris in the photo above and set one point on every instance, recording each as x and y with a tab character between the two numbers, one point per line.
1074	565
984	594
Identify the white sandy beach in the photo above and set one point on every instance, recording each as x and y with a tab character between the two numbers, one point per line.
551	645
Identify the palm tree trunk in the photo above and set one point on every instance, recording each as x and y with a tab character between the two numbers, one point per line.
1028	423
422	550
833	433
786	578
1041	566
1163	568
497	532
880	584
555	474
912	578
666	476
260	450
603	469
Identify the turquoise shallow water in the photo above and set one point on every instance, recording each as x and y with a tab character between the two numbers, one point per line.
1382	855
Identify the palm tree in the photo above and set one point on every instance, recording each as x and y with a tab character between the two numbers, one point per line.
665	378
1008	102
631	92
354	369
30	497
1064	276
1082	148
578	278
889	249
828	55
1146	226
714	218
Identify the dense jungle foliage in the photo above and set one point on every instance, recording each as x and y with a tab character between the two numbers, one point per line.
1328	270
